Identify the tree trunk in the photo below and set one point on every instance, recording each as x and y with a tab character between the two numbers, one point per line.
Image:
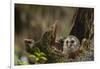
83	23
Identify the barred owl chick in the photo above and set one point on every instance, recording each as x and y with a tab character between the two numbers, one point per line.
29	43
85	44
71	44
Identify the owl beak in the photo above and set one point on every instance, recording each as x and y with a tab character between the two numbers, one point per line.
69	45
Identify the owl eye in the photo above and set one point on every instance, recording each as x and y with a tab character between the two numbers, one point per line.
72	41
66	41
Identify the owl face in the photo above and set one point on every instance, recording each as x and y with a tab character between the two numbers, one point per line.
71	44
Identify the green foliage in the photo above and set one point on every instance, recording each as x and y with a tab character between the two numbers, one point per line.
38	56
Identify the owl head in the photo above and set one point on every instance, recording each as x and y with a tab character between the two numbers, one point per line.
71	44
